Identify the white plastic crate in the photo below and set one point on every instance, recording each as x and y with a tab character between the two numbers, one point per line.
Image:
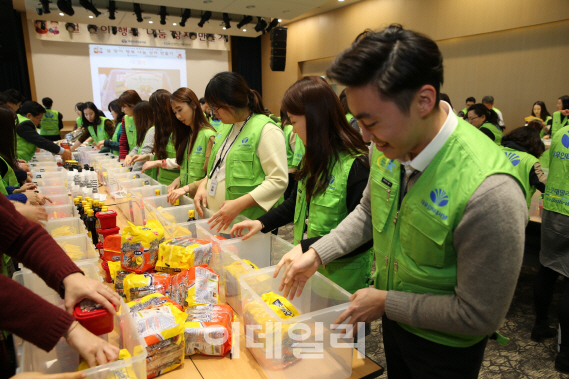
313	354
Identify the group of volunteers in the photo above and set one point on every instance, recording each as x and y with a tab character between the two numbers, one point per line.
441	207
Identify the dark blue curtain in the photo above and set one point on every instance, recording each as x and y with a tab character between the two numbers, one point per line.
246	60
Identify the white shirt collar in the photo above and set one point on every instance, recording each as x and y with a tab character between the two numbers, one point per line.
425	157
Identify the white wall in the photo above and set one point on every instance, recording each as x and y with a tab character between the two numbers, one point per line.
62	71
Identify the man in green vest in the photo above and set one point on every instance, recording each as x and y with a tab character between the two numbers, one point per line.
444	206
469	102
52	121
488	101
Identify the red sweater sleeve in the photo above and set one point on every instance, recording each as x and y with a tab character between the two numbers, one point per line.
123	142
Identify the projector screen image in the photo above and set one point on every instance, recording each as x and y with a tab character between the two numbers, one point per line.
115	69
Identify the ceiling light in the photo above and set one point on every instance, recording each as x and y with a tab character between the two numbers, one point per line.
112	9
62	14
193	36
226	20
137	12
185	15
261	25
45	6
224	28
90	7
280	20
174	24
210	37
134	32
244	21
92	28
272	24
70	27
90	16
163	15
114	29
205	17
244	30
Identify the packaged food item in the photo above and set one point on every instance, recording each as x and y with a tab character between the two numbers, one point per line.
73	251
93	317
232	274
66	230
151	301
182	253
139	246
137	286
203	286
106	219
112	248
282	307
119	281
120	373
104	233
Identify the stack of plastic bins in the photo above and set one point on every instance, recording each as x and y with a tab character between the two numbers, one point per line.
317	351
60	211
111	168
63	358
60	200
132	205
188	228
78	247
114	179
42	158
151	204
72	226
53	190
263	250
45	167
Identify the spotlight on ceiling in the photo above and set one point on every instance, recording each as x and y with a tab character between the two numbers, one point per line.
112	9
272	24
163	15
210	37
137	12
154	33
134	32
115	30
39	11
66	7
261	25
205	17
226	37
193	36
90	7
45	6
226	20
92	28
185	15
244	21
70	27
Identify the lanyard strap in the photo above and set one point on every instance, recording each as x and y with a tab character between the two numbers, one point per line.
217	164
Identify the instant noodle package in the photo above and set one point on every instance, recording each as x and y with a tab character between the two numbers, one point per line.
139	246
208	330
182	253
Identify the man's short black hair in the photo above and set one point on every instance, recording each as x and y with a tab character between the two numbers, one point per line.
32	107
202	100
47	102
14	96
397	61
471	99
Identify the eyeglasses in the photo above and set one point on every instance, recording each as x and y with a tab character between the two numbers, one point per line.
473	118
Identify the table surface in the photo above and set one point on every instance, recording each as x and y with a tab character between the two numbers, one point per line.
246	365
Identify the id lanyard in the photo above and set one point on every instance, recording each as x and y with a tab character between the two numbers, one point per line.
217	164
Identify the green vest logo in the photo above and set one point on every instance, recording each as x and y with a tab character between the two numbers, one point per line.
565	140
199	149
513	157
439	197
385	164
244	142
48	115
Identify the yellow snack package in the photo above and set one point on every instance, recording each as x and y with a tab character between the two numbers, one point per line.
136	286
63	231
182	253
139	246
282	307
173	231
232	274
114	267
73	251
120	373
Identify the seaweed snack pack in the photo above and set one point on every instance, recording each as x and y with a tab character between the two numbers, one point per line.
182	253
139	246
203	286
137	286
213	321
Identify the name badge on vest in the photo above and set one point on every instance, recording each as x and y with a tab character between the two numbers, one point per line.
386	182
212	187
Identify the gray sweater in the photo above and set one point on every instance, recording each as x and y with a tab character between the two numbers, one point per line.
489	242
147	147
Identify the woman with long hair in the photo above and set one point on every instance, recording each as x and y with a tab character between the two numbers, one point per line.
79	111
127	140
539	113
113	144
294	151
247	174
560	118
331	180
486	120
96	127
144	121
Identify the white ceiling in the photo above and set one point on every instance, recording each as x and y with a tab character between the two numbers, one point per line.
286	10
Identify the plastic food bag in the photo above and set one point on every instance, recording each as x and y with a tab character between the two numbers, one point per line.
139	246
151	301
63	231
73	251
282	307
203	286
232	274
182	253
213	321
137	286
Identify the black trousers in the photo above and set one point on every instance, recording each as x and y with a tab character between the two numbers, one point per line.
543	289
410	356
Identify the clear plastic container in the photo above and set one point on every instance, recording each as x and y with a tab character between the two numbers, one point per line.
263	250
42	158
61	175
74	225
126	185
151	205
60	200
315	353
111	168
60	211
132	202
114	180
177	214
79	247
53	190
50	182
49	167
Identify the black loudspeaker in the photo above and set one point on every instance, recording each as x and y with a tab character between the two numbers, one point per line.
278	48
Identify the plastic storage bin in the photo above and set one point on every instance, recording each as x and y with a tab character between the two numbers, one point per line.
53	190
144	208
111	168
49	182
73	226
176	214
263	250
79	247
45	167
188	228
126	185
312	354
114	180
60	200
60	211
42	158
61	175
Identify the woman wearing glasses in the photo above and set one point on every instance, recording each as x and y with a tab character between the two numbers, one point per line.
486	120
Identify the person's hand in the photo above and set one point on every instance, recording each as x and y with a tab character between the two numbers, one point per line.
174	185
66	155
33	197
79	287
254	226
565	112
93	349
127	161
39	375
21	161
141	157
25	187
297	270
24	166
546	137
32	213
227	212
100	145
174	195
200	199
42	199
367	305
150	165
30	177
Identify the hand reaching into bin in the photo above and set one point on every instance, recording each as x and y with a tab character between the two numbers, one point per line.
298	268
93	349
174	185
79	287
30	212
254	227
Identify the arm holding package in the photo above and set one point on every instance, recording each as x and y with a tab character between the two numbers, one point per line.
27	131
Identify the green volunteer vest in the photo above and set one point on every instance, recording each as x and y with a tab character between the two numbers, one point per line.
9	179
116	137
494	129
349	117
166	177
217	124
243	170
49	125
24	148
523	162
3	190
79	122
556	123
556	197
100	134
293	157
465	112
414	246
327	210
543	131
22	118
130	130
192	166
152	172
